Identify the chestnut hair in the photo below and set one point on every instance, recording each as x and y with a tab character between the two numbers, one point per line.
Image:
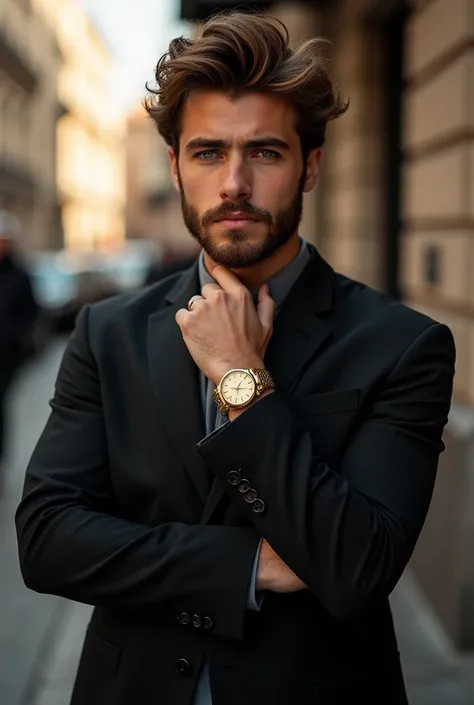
238	52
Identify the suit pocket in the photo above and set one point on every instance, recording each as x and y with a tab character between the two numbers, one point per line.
327	403
97	670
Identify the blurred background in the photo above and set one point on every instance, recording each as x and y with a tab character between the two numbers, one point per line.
87	210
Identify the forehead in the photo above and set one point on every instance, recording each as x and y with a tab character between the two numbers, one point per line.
220	116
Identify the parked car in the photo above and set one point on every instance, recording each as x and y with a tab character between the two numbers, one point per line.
63	282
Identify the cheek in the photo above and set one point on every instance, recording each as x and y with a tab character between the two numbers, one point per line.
198	189
274	191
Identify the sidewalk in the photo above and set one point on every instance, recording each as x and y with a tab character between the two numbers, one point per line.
433	673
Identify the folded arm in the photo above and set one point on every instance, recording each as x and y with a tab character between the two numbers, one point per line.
71	544
346	532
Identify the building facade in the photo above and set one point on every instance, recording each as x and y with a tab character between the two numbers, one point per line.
394	208
90	133
153	208
29	109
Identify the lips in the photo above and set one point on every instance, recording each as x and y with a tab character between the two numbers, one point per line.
236	216
236	224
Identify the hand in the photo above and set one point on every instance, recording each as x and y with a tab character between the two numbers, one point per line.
273	574
224	330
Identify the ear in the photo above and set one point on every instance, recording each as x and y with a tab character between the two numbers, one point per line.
174	168
312	168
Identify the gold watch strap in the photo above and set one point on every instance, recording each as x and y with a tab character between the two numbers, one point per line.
220	403
264	378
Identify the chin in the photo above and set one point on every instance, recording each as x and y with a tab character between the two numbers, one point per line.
236	255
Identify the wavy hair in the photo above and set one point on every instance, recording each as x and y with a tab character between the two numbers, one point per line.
236	52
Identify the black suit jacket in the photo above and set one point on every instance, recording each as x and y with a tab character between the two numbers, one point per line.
129	508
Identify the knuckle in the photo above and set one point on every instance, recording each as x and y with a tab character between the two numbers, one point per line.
219	295
242	293
182	319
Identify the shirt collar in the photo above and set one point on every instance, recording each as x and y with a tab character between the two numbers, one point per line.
281	283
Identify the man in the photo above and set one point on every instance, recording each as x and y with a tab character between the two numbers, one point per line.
18	311
240	459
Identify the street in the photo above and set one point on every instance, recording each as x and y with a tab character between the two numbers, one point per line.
41	636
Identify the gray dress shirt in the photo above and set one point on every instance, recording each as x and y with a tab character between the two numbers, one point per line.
279	286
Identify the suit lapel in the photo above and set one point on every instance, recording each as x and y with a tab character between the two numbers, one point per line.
303	324
175	379
302	327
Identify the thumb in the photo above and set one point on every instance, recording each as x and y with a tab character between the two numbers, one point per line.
265	308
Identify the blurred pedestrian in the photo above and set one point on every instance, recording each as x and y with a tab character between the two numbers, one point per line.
240	458
18	311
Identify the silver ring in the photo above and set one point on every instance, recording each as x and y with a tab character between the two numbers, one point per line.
193	300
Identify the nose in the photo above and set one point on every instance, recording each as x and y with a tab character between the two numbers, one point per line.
235	182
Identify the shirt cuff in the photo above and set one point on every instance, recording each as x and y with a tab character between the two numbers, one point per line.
254	601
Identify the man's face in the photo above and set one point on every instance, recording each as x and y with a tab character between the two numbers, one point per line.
241	175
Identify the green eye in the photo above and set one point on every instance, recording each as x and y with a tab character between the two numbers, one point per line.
269	154
206	155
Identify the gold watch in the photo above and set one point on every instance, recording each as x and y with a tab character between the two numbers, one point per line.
238	388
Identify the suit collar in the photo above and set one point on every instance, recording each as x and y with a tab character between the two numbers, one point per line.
316	282
186	282
303	324
280	284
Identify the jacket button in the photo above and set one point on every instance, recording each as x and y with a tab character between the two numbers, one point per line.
258	506
250	496
183	667
244	486
208	623
184	618
233	477
197	621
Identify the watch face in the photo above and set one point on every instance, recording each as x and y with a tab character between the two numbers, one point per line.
238	388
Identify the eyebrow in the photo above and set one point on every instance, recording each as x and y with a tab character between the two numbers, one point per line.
259	142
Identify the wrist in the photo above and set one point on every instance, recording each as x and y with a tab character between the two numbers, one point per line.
267	569
242	364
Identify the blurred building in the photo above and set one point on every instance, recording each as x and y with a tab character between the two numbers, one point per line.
153	208
29	109
90	133
395	209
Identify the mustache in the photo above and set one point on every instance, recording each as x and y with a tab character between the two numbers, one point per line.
229	208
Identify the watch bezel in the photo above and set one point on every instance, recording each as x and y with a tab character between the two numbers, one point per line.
241	405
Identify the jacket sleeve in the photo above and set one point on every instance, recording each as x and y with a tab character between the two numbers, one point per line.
347	532
71	544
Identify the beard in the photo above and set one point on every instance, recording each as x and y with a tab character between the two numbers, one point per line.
233	250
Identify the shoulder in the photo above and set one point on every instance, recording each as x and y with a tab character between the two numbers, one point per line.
130	309
392	324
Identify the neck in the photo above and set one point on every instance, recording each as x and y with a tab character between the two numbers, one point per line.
253	277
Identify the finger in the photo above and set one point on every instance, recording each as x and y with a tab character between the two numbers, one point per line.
209	289
193	301
182	316
265	308
263	291
226	279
